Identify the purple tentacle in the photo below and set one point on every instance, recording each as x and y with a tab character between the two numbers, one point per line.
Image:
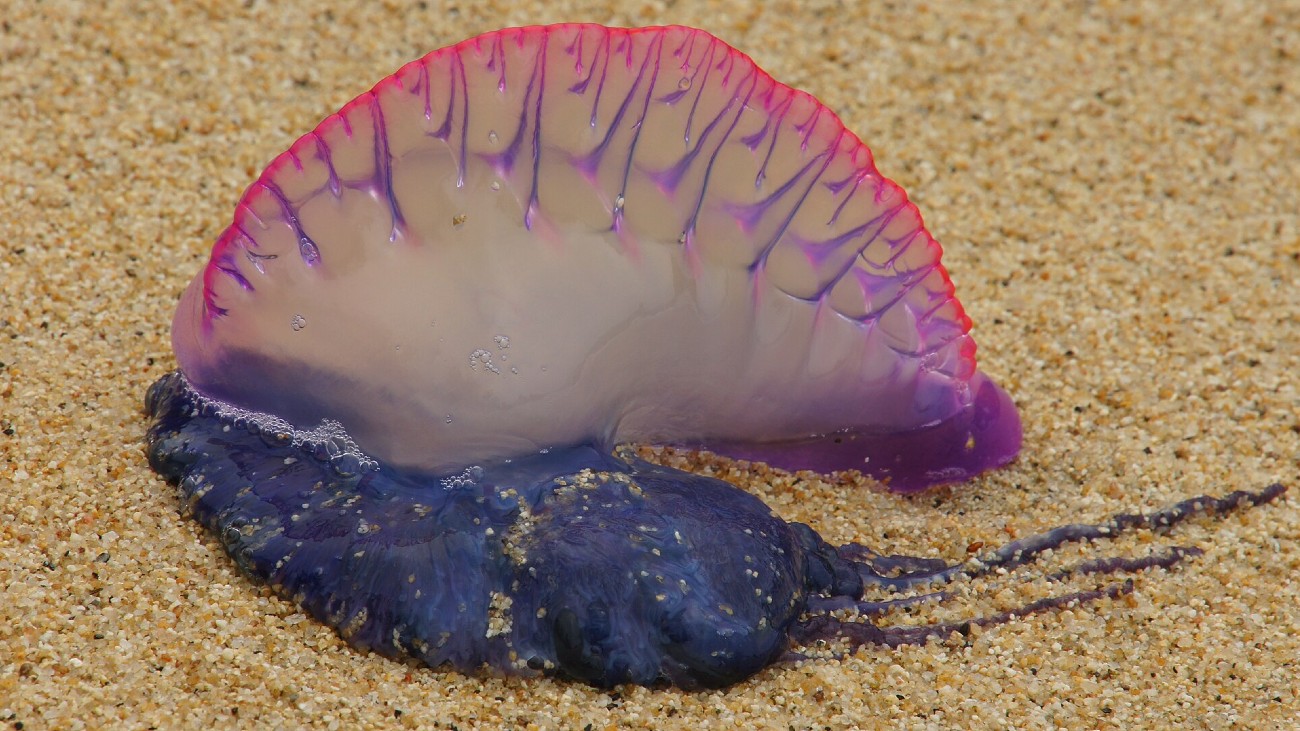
856	634
840	574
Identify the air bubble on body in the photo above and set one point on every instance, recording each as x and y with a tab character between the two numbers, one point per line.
328	440
309	252
347	464
482	360
328	448
468	478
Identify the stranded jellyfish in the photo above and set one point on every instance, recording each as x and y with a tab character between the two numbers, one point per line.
409	368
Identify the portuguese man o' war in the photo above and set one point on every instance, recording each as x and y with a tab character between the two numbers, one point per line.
409	371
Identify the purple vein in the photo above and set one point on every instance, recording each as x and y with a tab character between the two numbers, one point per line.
464	122
875	226
226	265
749	213
575	49
498	52
779	116
230	270
581	86
909	283
422	86
303	238
245	236
384	161
700	87
827	155
809	125
444	131
673	175
604	74
653	52
539	76
689	41
327	156
624	47
751	141
591	160
596	59
708	169
838	186
729	62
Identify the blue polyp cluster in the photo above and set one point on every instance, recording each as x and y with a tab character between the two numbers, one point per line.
575	563
637	575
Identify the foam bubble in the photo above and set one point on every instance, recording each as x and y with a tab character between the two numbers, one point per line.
327	441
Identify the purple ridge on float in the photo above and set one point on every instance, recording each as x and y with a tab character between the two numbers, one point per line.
408	365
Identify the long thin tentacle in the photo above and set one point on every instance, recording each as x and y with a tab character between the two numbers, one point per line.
841	573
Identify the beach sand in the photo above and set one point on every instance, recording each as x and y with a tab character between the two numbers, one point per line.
1117	190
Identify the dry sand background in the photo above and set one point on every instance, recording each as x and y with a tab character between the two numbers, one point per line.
1116	185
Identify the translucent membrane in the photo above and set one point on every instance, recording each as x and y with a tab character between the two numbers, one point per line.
576	234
